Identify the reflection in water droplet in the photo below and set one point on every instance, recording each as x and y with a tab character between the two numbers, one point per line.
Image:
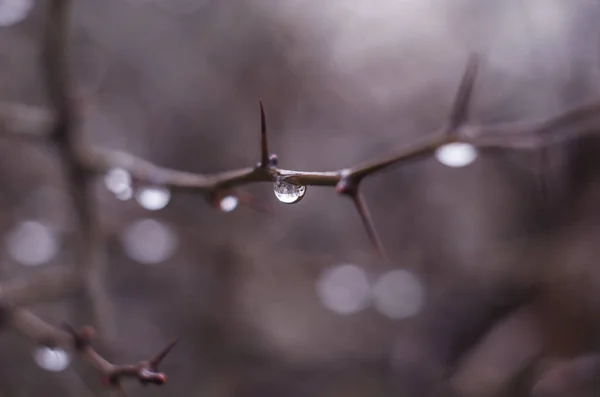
153	198
288	193
457	154
14	11
228	203
344	289
51	359
398	294
149	241
32	243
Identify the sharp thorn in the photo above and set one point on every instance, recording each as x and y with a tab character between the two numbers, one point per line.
264	145
160	356
462	101
367	220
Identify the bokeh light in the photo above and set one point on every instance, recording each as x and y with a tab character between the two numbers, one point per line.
14	11
398	294
149	241
32	243
118	181
344	289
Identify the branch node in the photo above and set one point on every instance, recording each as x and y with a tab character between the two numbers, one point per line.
82	338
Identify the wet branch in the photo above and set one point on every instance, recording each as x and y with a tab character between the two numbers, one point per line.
521	135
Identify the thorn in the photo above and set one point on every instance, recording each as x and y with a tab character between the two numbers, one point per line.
160	356
350	188
462	101
365	216
264	146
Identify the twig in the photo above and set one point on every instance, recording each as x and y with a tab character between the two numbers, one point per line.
80	341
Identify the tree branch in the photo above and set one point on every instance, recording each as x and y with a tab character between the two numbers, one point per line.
80	341
65	136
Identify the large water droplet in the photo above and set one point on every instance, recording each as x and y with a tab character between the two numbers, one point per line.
288	193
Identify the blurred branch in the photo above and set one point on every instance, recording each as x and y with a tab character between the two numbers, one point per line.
64	134
28	324
62	131
577	376
41	287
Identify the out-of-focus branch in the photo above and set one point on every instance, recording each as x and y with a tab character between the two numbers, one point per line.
80	341
46	286
22	121
65	135
577	376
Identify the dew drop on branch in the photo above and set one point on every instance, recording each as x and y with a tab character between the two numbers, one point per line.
228	203
288	193
51	358
118	181
153	198
456	154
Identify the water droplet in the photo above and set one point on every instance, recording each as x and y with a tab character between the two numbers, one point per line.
118	181
288	193
457	154
153	198
51	359
228	203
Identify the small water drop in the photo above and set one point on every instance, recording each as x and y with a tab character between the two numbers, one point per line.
288	193
118	181
457	154
228	203
51	359
153	198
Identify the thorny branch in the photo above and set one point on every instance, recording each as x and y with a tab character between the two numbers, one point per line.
60	125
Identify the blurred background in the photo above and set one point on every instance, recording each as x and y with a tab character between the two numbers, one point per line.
493	279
